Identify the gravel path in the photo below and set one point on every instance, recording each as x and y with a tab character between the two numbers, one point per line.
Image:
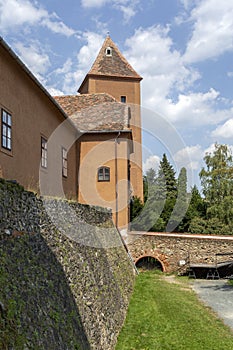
218	295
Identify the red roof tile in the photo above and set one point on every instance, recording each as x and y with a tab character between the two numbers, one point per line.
99	112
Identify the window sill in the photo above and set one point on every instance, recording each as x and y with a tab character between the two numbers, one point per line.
6	151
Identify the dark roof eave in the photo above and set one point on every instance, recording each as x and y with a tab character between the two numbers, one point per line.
129	131
29	73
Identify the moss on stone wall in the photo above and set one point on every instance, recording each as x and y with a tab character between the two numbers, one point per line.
65	278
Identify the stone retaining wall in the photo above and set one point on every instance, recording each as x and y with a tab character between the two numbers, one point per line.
65	277
170	249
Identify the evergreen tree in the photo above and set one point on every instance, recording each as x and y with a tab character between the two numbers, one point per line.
151	176
181	204
195	218
166	186
136	206
197	203
145	216
167	173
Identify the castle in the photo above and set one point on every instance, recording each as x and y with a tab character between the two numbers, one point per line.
85	146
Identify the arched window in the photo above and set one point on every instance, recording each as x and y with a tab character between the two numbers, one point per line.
108	51
104	174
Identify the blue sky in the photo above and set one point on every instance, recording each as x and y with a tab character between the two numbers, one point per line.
182	48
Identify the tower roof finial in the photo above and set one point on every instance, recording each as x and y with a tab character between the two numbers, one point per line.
108	33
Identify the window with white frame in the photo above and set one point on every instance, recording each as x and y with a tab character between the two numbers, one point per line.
108	51
6	130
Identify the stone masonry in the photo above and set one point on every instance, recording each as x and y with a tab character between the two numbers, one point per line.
171	248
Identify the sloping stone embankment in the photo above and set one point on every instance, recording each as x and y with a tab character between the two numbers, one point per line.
65	277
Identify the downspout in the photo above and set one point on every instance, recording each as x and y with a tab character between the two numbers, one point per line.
116	177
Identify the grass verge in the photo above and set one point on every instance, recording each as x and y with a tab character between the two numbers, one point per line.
168	316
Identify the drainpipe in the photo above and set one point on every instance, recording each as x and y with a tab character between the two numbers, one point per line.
116	177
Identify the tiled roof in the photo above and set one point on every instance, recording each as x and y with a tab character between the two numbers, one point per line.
114	64
95	112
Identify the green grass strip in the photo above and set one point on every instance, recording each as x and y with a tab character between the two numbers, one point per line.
167	316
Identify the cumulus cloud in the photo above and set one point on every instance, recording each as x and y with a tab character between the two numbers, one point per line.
225	130
36	59
151	162
151	53
54	92
19	12
74	71
15	13
189	157
197	108
88	52
213	30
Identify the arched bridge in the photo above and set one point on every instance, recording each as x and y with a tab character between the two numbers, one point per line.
176	252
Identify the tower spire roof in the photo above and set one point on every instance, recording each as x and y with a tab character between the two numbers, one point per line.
110	62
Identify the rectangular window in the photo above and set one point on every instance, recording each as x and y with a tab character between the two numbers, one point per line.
123	99
6	130
104	174
44	153
64	162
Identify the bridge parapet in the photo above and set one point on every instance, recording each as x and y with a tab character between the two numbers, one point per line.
174	250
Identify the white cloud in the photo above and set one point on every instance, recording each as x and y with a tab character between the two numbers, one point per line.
66	68
87	54
211	149
57	26
55	92
85	58
74	71
151	53
213	30
93	3
15	13
187	3
230	74
196	109
18	12
151	162
127	7
189	157
225	130
36	59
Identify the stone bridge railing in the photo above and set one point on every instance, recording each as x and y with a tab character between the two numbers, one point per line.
174	251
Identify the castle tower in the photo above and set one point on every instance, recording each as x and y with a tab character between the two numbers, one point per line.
112	74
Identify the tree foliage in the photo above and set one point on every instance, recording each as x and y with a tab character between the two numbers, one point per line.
168	206
217	182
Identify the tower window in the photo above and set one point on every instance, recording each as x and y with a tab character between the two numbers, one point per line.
123	99
103	174
108	51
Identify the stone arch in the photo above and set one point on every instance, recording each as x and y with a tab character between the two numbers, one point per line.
151	256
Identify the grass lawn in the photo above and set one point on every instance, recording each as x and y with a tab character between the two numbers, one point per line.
168	316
